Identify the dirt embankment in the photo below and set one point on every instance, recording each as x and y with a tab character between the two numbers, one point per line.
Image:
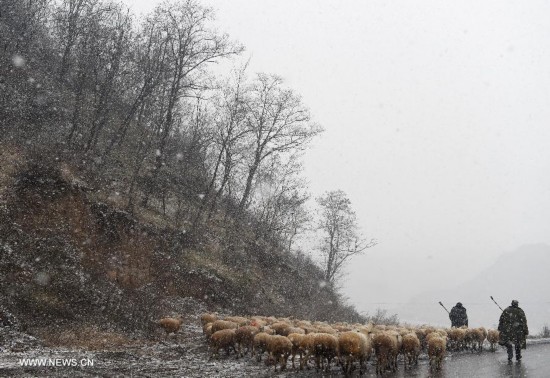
72	264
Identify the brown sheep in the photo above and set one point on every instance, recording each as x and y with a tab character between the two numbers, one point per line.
290	330
259	344
421	334
478	337
207	330
280	328
170	325
298	346
218	325
469	338
353	346
437	347
302	323
225	339
257	322
279	349
239	320
325	346
456	338
493	337
327	329
208	318
399	341
411	348
306	344
385	348
244	338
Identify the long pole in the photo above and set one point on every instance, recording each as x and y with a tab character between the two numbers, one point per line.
444	308
497	303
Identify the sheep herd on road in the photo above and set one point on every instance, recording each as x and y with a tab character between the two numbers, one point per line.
322	344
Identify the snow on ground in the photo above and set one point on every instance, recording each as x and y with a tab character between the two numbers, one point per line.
184	356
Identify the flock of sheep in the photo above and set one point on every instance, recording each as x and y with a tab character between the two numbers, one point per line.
322	343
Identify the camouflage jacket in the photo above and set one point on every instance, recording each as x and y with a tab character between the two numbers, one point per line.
513	326
458	317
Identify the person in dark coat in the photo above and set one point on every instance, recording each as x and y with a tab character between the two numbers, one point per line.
458	316
513	330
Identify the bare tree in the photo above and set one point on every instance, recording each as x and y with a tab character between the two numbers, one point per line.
341	238
230	131
279	201
278	122
192	45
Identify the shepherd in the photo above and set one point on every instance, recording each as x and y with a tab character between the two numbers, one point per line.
513	330
458	316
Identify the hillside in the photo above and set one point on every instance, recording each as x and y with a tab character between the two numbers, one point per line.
69	259
521	274
137	183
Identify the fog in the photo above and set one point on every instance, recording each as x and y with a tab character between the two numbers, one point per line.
436	126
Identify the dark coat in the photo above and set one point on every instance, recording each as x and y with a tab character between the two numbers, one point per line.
458	316
513	326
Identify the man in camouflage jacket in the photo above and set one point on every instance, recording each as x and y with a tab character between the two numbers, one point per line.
513	330
458	316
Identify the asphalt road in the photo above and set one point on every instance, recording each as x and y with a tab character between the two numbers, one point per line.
189	358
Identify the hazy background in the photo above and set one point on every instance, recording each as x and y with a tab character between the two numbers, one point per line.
436	121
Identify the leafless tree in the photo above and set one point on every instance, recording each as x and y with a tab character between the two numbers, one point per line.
341	238
278	122
192	44
229	133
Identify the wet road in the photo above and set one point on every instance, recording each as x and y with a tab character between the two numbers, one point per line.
535	363
190	359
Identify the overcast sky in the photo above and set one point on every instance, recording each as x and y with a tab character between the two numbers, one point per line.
436	117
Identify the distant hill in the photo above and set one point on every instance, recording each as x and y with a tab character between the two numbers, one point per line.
522	274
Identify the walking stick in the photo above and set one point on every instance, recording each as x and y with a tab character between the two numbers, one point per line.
444	307
497	303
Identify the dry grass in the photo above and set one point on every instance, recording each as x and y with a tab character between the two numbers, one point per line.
85	337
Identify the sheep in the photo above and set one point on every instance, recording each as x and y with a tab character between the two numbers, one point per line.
268	330
478	337
259	344
469	337
399	341
385	348
327	329
437	346
302	323
208	318
170	325
456	338
244	337
257	322
411	348
493	337
239	320
290	330
298	346
207	330
218	325
353	346
280	328
279	349
305	344
325	346
342	327
421	334
225	339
